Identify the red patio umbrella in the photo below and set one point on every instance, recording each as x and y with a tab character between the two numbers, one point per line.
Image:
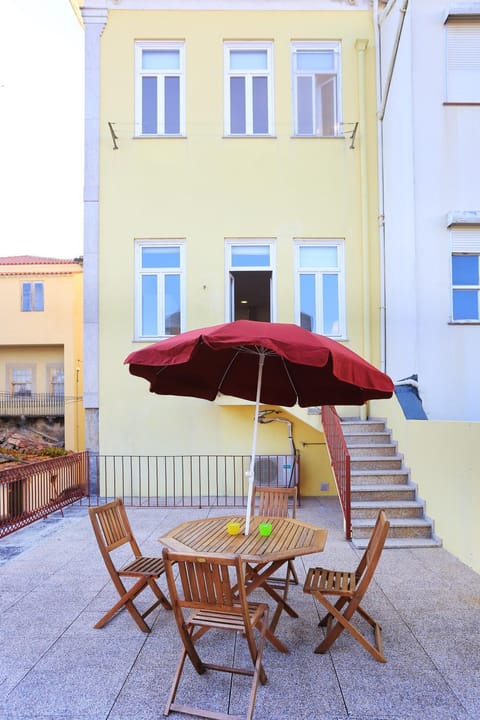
274	363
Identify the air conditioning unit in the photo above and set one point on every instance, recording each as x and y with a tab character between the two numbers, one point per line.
275	470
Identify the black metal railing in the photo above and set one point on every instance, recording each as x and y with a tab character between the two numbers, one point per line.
185	480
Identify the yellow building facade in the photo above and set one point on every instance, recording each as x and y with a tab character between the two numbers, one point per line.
231	171
41	353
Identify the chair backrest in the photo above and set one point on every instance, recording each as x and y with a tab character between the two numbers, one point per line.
373	551
112	530
207	581
274	501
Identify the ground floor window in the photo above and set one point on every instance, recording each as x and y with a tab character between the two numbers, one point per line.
159	288
250	278
465	274
320	291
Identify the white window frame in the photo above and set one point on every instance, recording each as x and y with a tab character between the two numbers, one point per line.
141	45
54	370
229	244
462	59
12	383
464	241
248	75
319	272
160	273
316	45
34	298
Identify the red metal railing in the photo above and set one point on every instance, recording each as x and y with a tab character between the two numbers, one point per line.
340	460
34	490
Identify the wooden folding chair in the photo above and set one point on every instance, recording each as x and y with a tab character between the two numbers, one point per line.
112	531
277	502
350	587
213	587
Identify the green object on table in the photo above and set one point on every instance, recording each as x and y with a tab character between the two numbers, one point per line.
265	529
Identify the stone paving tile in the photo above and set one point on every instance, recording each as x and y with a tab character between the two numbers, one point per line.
55	666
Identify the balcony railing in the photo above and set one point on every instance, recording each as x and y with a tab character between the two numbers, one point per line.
32	404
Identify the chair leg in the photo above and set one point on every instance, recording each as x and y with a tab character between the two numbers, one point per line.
259	672
156	590
343	623
126	601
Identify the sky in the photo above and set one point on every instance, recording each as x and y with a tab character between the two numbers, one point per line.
41	129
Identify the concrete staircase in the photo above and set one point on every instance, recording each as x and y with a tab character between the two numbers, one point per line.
379	480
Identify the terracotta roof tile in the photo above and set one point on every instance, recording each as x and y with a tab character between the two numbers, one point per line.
32	260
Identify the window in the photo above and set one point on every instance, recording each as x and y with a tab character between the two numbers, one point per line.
250	280
248	88
315	73
32	297
21	380
465	272
56	379
160	88
463	60
320	287
159	288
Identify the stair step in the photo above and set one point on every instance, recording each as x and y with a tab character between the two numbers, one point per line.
393	509
375	462
390	477
363	426
378	493
413	542
399	528
375	449
374	438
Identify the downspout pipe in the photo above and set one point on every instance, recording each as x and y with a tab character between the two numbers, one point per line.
382	98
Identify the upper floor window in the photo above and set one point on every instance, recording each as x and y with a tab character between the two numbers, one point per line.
465	272
463	60
248	88
316	80
55	379
320	287
250	268
20	379
160	88
32	297
159	289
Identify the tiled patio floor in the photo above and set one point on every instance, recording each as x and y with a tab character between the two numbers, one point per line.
55	666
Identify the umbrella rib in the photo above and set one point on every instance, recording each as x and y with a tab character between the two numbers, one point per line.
227	370
258	350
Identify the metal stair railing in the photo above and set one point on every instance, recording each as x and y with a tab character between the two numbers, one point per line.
340	462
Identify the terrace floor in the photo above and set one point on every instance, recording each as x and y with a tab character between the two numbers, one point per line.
55	666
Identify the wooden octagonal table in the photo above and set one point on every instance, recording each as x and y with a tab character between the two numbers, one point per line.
289	538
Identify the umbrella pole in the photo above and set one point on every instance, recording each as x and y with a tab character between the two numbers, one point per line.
250	473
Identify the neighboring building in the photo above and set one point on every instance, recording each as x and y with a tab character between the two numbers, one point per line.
41	342
231	171
429	115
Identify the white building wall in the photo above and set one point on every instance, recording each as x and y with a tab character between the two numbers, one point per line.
431	159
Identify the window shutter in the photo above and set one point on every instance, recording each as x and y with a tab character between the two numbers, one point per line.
466	240
463	61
